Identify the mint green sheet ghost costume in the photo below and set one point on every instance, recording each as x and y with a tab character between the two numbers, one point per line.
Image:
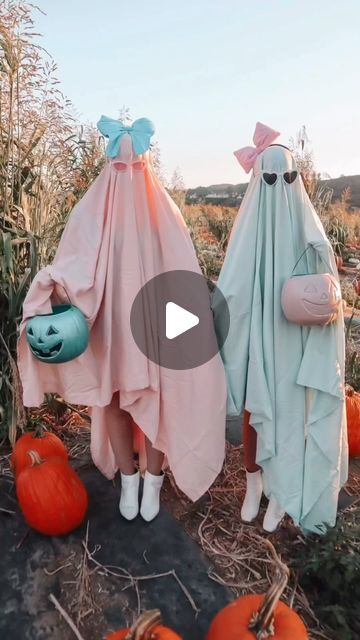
290	378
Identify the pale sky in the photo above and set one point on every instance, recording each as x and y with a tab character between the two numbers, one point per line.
205	71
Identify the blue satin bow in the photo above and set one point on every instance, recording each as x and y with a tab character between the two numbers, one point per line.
140	132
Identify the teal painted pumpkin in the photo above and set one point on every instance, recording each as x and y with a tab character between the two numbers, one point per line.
59	336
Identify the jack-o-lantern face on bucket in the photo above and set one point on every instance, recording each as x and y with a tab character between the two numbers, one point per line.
58	337
311	299
321	297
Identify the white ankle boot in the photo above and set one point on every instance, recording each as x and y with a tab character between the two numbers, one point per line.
150	504
129	499
254	489
273	516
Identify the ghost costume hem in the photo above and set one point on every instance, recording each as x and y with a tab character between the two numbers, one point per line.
122	233
288	377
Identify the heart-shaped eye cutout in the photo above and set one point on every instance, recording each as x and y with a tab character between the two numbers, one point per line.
290	176
139	165
270	178
120	166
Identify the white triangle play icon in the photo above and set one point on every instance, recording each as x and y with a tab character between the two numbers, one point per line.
178	320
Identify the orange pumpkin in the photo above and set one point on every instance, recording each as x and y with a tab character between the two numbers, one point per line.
137	438
339	262
260	616
353	421
45	443
147	627
51	495
357	287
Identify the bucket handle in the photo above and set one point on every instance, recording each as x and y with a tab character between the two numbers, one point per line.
303	253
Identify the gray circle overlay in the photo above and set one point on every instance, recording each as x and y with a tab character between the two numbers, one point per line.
190	291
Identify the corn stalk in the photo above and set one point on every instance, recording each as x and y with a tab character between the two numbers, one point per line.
46	164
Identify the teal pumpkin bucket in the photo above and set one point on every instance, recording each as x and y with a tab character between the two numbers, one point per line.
59	336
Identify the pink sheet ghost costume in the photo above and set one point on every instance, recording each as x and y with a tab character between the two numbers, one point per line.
124	231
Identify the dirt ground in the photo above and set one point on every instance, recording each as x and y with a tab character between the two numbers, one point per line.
104	573
191	561
237	549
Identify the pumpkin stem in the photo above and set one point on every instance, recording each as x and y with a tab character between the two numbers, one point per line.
35	457
39	430
144	625
262	622
36	422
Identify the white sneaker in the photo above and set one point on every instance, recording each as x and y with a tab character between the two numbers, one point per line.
150	504
254	488
129	499
273	516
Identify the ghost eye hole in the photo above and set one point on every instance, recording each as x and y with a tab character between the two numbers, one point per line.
51	331
139	165
30	332
119	166
290	176
270	178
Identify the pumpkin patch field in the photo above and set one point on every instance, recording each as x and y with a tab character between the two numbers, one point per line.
71	568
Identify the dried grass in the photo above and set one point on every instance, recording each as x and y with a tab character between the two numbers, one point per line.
237	549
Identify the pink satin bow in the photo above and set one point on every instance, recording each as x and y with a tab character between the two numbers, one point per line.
263	137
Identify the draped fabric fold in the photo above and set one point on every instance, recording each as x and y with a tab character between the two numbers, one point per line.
290	378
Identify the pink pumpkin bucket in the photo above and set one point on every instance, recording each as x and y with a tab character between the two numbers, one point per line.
311	299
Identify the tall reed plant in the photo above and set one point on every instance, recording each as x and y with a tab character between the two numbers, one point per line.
46	164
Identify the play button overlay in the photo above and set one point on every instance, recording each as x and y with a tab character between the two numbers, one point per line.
178	320
172	322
